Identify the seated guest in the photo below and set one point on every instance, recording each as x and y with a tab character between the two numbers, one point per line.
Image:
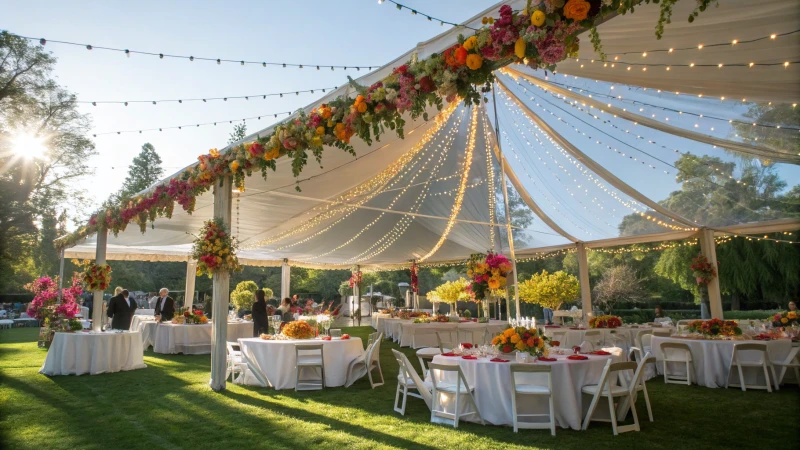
285	310
121	310
260	322
165	306
659	312
548	316
792	306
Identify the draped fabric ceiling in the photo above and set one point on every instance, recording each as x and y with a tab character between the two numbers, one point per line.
584	147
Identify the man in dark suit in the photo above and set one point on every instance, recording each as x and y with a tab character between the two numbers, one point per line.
165	306
121	310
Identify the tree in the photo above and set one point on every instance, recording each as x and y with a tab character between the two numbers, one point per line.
618	283
244	295
550	290
239	132
43	149
521	216
144	171
452	291
781	138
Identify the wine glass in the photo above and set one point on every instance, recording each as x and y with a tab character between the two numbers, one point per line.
327	326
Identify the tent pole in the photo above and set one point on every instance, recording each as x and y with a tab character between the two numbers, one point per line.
505	201
286	272
191	274
97	302
583	274
709	249
221	283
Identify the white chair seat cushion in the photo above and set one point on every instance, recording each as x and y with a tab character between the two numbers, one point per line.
532	389
451	387
309	361
429	351
592	389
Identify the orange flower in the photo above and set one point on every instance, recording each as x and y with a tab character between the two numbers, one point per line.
214	153
577	9
325	112
474	61
320	131
234	165
362	107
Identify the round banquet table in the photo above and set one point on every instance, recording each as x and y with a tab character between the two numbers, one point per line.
379	322
420	335
194	339
575	336
711	358
93	353
493	390
272	363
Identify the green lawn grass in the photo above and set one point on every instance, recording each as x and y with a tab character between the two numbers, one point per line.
169	405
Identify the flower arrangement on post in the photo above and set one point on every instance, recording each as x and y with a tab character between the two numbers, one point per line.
786	319
451	292
606	321
54	316
414	277
522	339
96	277
715	328
704	272
215	249
487	272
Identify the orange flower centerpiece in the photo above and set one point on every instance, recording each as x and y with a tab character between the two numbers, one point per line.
522	339
299	329
715	328
606	321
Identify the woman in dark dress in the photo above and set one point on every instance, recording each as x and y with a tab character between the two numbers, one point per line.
260	322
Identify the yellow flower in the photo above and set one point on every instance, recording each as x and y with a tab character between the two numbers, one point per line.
515	339
470	43
216	242
577	9
784	320
214	153
791	315
503	340
537	19
316	141
509	332
474	61
234	165
496	340
320	131
470	273
520	346
541	343
219	260
493	283
519	48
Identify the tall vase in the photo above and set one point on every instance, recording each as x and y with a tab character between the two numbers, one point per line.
485	307
705	303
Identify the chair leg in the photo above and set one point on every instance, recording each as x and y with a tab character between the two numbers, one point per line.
405	399
635	415
475	405
552	416
741	376
688	373
380	372
766	378
458	411
434	396
665	371
647	402
613	413
514	409
369	375
397	399
590	412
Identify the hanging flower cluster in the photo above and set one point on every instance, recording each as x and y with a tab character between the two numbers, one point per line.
541	35
414	278
703	271
487	272
215	249
44	307
355	279
96	277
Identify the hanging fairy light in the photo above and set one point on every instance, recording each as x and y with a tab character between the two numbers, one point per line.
204	100
195	125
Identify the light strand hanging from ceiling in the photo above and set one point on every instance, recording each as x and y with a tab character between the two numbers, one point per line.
700	46
539	257
207	99
190	58
492	194
648	249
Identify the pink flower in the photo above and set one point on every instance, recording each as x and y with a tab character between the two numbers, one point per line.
290	143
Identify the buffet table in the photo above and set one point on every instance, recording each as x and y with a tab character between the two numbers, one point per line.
194	339
712	357
272	363
379	322
419	335
576	336
93	353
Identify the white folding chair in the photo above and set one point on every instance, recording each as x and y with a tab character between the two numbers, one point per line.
662	332
762	362
677	352
594	337
445	345
235	363
643	340
407	382
611	390
312	357
372	337
639	385
370	360
458	389
615	338
425	356
534	390
792	361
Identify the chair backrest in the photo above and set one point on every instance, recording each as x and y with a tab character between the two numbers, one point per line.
667	346
593	335
644	339
407	372
639	374
685	321
233	348
376	351
335	332
752	347
664	332
443	344
531	368
316	348
372	337
560	335
461	380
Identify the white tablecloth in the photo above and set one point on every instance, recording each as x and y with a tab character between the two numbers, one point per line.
712	358
378	322
93	353
144	312
272	363
194	339
576	337
392	328
492	384
419	335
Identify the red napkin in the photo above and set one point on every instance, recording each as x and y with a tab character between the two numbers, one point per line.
469	357
449	354
577	357
466	345
601	353
542	358
326	338
498	360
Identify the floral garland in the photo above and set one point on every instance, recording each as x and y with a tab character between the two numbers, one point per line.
487	272
606	321
715	327
541	35
215	249
521	339
414	278
703	271
786	319
96	277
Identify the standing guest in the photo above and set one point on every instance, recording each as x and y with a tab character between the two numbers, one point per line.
792	306
121	310
165	306
659	312
259	311
285	310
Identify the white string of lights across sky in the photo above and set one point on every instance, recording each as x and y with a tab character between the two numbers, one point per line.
584	192
444	149
194	125
365	191
190	58
430	18
632	204
207	99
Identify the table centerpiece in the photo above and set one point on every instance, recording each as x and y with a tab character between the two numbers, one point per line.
605	321
299	330
715	328
523	340
786	319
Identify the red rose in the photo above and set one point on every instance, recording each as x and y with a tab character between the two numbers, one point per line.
426	84
461	55
402	69
186	314
466	345
507	348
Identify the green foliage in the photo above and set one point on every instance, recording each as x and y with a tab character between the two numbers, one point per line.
143	172
550	290
783	115
244	295
238	134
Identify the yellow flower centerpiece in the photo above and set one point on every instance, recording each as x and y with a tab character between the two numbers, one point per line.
299	330
522	339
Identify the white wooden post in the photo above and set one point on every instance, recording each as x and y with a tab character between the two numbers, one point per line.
286	272
709	249
221	292
191	274
61	274
586	289
97	302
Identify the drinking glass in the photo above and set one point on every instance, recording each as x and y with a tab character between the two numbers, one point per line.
336	333
327	326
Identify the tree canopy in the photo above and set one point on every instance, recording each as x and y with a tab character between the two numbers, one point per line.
550	290
143	172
